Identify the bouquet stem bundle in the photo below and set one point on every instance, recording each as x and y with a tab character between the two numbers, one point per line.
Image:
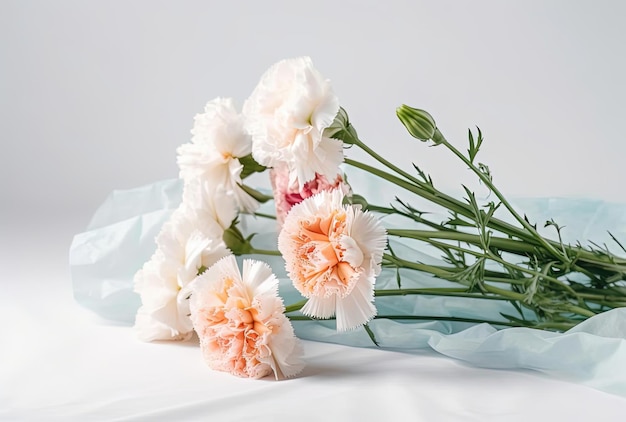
486	258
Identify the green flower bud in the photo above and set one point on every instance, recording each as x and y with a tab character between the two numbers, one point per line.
419	123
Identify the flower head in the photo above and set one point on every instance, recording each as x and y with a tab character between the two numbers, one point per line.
240	321
419	123
188	241
333	253
218	141
287	195
286	115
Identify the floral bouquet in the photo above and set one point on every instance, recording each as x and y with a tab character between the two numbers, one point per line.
350	259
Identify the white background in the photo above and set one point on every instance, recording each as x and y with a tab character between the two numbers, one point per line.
97	95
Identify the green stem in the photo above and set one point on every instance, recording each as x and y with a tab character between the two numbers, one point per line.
507	245
502	243
447	273
442	200
580	311
487	181
386	163
453	292
380	209
617	301
254	251
587	260
295	306
412	216
555	326
263	215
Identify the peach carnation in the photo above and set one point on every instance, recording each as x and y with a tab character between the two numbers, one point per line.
333	253
240	321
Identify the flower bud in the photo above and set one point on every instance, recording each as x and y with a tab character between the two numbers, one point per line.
419	123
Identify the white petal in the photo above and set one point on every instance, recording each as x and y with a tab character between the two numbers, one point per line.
286	351
149	328
320	307
196	245
211	209
352	252
329	154
357	308
326	110
371	237
258	276
167	322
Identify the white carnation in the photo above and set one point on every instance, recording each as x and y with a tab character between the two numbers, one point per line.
186	243
286	115
219	140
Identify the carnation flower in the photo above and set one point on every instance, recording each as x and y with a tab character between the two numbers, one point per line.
286	115
287	195
189	241
218	141
240	321
333	254
209	207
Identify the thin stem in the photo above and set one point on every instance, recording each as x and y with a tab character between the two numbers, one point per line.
436	198
295	306
442	200
580	311
447	273
453	292
556	326
586	259
487	181
381	209
409	215
254	251
502	243
386	163
263	215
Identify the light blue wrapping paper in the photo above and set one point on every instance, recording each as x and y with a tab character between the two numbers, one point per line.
120	238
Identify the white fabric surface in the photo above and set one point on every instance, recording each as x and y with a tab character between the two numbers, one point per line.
88	108
59	362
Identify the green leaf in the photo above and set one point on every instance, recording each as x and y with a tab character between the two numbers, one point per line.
250	166
616	241
341	128
262	198
234	240
474	145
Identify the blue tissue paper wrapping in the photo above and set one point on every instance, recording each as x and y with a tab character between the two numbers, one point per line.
120	238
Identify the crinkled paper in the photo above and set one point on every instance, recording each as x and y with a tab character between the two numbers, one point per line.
120	238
